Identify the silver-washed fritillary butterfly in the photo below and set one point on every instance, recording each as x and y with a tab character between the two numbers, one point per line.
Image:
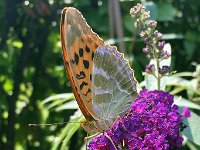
101	79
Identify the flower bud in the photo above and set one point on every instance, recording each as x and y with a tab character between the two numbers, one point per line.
142	34
150	69
164	70
153	24
145	50
160	45
166	54
158	34
136	9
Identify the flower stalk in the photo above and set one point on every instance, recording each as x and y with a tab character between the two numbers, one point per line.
154	46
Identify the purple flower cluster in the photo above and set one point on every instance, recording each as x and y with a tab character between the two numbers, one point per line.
153	123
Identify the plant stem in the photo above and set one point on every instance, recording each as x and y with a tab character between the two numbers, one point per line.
158	74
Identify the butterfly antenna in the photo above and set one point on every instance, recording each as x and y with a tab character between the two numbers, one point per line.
49	124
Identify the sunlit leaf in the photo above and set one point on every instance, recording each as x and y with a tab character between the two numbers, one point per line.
182	102
192	146
190	85
68	105
166	12
17	44
8	85
192	131
66	96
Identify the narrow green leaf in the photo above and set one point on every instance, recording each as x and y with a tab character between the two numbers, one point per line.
67	96
192	146
190	85
182	102
192	131
68	105
55	103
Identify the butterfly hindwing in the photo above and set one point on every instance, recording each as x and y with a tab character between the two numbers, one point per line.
114	87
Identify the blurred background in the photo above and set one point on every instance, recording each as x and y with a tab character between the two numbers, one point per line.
34	87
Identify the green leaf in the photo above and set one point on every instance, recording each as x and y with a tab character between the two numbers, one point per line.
68	131
192	146
166	12
56	101
192	131
66	96
192	85
68	105
171	36
190	48
128	23
17	44
182	102
152	7
8	85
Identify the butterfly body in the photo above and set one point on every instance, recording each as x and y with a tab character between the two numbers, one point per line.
102	80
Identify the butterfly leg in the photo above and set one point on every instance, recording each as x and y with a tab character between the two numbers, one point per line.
119	118
110	140
124	126
89	137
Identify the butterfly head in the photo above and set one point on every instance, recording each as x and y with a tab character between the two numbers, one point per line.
89	126
101	125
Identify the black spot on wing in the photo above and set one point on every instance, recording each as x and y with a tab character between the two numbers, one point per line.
73	62
80	52
88	91
76	58
92	55
86	64
90	77
81	75
82	85
87	49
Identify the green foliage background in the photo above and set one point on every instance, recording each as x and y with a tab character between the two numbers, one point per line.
31	65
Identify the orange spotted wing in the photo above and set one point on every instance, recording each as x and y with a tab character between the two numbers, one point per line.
79	44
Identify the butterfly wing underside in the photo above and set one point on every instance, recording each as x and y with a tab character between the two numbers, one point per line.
114	87
79	44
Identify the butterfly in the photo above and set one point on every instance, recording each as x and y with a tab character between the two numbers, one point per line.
101	79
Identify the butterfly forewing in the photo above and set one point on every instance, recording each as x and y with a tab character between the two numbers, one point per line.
114	87
79	44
